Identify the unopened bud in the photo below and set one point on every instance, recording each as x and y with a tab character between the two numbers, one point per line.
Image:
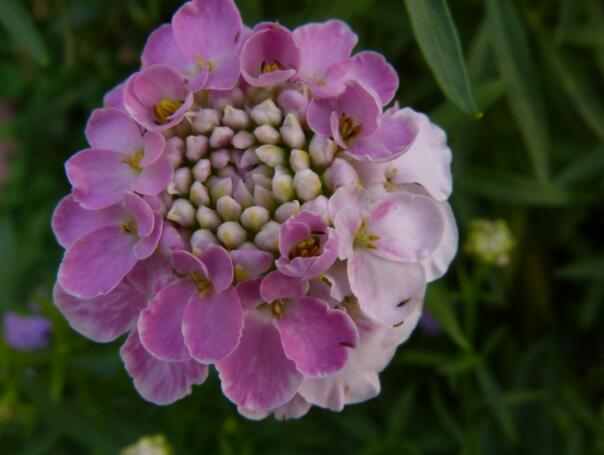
243	139
267	134
235	157
243	195
268	237
199	194
235	118
197	146
221	99
299	159
220	158
249	158
175	151
294	102
322	150
201	240
206	120
262	180
228	171
228	208
207	218
271	155
340	173
231	234
182	180
283	187
221	136
307	184
202	170
224	187
263	197
266	112
182	212
292	133
253	218
285	211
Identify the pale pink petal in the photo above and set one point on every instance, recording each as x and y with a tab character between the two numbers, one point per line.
115	97
103	318
337	275
186	263
157	381
160	324
253	262
161	48
294	409
154	144
112	129
257	375
278	286
316	337
438	262
212	325
372	69
155	178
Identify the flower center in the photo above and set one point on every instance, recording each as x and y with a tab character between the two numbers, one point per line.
268	67
310	247
134	160
348	128
363	239
165	108
203	285
201	62
128	226
277	307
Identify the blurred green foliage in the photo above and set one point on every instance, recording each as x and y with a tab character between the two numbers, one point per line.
519	367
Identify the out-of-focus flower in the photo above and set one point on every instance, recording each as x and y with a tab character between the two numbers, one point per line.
26	333
149	445
250	201
490	242
429	324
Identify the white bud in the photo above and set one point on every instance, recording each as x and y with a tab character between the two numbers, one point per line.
253	218
175	151
262	180
266	112
228	171
223	187
197	146
322	150
247	246
283	187
299	159
202	170
207	218
206	120
220	158
182	180
318	206
182	212
267	134
285	211
340	173
235	118
295	102
199	194
263	197
271	155
228	208
292	132
221	136
231	234
248	158
243	139
307	184
201	240
212	180
243	195
233	97
268	237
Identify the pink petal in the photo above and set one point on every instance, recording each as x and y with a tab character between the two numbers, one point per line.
154	144
151	275
212	325
103	318
347	223
290	234
155	178
146	246
257	375
113	130
337	275
71	222
249	293
316	337
186	263
375	72
99	177
387	291
437	264
409	227
219	266
141	212
96	263
160	324
157	381
294	409
161	48
253	262
278	286
115	97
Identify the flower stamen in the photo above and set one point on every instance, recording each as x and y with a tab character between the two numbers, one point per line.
128	227
134	160
310	247
165	108
348	128
267	67
363	239
203	285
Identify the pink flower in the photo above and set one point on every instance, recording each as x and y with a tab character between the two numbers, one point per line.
121	158
287	335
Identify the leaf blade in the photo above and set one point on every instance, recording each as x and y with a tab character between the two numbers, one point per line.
20	26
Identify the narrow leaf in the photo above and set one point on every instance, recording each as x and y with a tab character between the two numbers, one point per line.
438	40
517	68
589	269
439	304
496	402
20	26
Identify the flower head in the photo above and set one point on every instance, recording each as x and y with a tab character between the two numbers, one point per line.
248	202
26	333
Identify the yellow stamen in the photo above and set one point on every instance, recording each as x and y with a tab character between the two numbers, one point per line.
134	160
277	307
165	108
266	67
348	129
201	62
128	226
310	247
203	285
363	239
240	273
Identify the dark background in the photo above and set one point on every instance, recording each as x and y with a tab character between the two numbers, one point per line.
518	364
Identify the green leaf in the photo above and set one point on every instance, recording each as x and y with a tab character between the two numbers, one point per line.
519	74
583	168
437	37
496	402
20	26
439	304
590	269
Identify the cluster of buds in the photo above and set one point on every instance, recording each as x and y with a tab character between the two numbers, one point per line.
249	202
